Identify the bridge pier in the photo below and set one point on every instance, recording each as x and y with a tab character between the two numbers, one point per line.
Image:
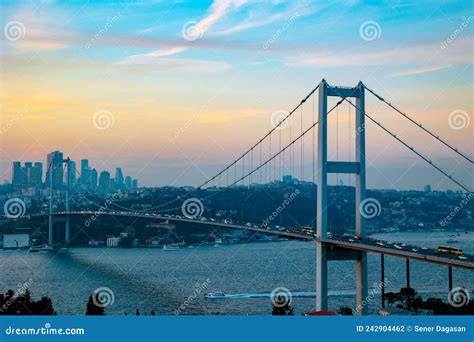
408	272
382	278
450	278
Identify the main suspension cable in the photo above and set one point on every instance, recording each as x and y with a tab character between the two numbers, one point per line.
419	125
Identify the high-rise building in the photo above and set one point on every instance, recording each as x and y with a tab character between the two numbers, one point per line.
27	174
55	163
71	175
427	188
104	182
128	182
93	179
36	175
17	175
85	174
119	184
135	184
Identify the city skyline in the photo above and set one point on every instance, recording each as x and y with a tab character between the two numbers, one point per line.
65	173
177	106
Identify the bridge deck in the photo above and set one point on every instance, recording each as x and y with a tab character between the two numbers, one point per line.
366	245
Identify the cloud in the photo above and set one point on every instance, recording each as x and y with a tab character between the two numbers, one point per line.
150	63
219	9
263	16
424	54
417	71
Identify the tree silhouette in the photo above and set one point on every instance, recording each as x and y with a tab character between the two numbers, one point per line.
92	308
12	303
282	310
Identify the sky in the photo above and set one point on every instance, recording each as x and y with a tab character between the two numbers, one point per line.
172	91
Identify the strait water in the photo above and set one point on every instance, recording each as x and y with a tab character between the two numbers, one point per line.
152	279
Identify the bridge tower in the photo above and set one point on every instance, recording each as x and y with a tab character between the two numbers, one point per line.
51	195
325	167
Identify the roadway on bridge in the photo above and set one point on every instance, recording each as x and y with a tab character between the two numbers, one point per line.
342	240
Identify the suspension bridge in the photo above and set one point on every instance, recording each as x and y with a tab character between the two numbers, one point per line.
276	154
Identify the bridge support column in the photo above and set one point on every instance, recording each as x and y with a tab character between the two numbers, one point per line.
450	278
408	272
321	210
67	233
382	280
50	226
360	186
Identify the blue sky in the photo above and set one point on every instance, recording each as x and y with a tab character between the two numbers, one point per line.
155	64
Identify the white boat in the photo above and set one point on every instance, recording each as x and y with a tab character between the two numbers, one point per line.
40	249
215	295
170	248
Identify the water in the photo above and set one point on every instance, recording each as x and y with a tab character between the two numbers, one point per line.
175	282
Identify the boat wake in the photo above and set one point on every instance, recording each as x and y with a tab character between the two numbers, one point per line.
294	294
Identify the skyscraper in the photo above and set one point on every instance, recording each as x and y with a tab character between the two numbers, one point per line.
71	175
17	175
85	174
119	184
128	182
36	175
135	184
93	179
104	182
55	163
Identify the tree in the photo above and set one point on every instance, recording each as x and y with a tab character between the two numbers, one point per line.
20	303
345	311
92	308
